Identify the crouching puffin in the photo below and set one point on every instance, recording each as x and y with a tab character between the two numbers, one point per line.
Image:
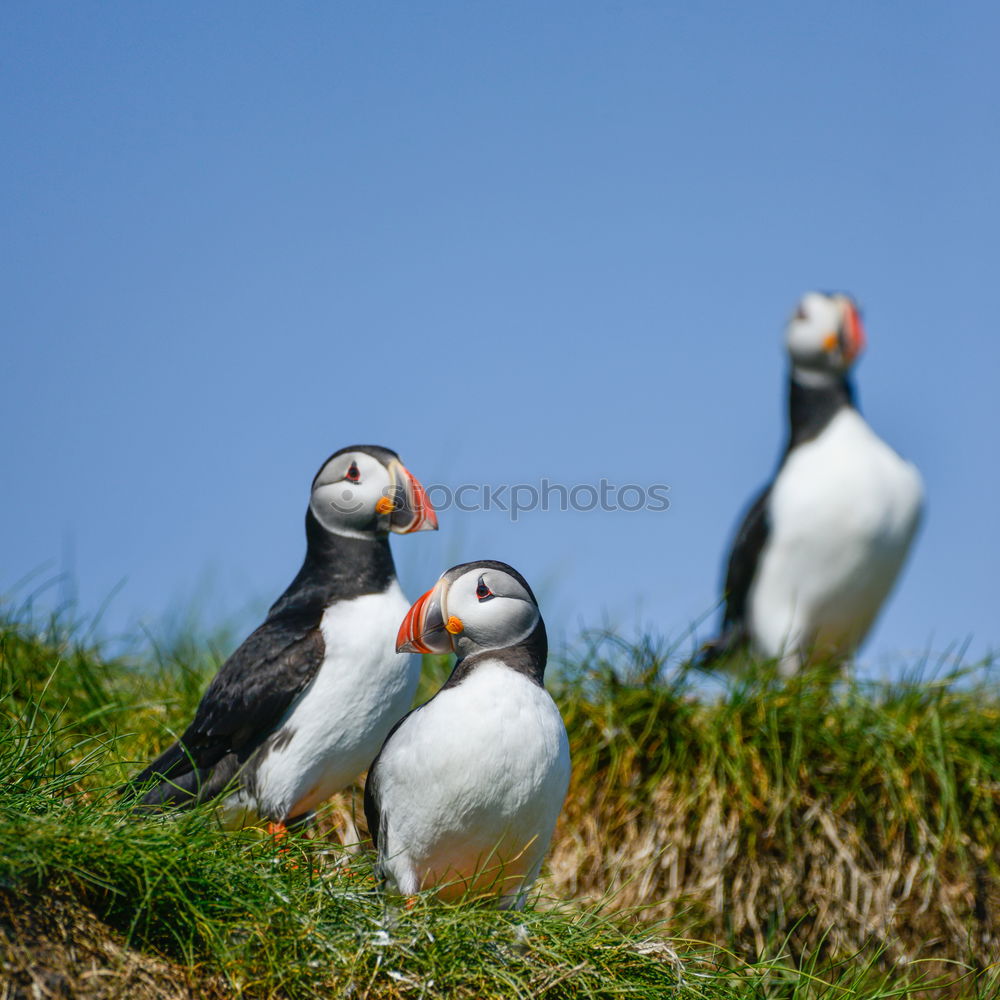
464	796
302	706
819	549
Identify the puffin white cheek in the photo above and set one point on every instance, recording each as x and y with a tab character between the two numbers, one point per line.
814	345
508	622
342	505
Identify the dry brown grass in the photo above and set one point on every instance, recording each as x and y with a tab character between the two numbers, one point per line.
709	881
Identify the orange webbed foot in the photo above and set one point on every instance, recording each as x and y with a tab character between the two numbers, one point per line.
278	832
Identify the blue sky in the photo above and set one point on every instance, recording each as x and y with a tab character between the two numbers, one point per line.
511	241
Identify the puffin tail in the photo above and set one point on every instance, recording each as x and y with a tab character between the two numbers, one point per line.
176	780
171	780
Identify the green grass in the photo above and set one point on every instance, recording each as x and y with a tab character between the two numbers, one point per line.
724	847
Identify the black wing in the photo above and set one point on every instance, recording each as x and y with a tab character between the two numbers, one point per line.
373	807
744	558
244	702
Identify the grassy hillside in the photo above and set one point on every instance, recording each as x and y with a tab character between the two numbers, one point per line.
795	840
830	815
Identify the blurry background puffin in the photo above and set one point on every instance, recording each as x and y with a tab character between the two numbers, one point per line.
303	705
464	796
820	548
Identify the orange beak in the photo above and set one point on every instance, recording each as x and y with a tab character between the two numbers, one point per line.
424	629
412	510
853	333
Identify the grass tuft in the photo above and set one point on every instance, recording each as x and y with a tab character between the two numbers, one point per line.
799	840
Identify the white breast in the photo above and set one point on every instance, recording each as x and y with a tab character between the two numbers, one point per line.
843	512
337	726
471	786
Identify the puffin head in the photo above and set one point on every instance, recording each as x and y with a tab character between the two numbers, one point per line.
825	336
365	490
475	607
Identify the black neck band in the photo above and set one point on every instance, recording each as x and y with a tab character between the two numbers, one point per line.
337	568
812	407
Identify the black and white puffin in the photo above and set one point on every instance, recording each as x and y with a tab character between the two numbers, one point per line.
303	705
464	796
819	549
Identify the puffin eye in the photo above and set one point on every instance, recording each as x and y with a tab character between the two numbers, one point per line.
800	313
482	591
353	474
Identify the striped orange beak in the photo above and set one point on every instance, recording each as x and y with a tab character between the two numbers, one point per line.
852	333
411	510
424	629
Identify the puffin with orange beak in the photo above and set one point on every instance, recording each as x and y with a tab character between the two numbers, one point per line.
820	548
464	795
302	706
